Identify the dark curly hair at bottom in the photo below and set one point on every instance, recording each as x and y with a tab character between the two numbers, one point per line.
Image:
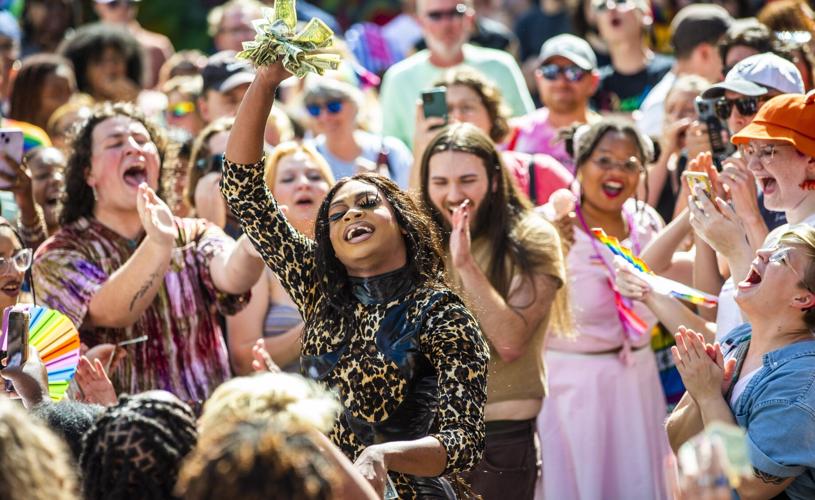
77	197
258	460
135	449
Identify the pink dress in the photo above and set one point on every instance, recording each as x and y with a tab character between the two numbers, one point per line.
601	426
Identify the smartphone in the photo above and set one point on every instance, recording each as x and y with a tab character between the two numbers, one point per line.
434	103
17	341
694	178
11	144
717	130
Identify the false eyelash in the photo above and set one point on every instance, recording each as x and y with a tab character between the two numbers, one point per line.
335	217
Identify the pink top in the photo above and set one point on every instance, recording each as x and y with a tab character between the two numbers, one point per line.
550	175
533	133
592	299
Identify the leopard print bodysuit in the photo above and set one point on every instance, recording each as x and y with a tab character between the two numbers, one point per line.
405	367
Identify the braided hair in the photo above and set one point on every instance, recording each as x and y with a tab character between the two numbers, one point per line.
135	448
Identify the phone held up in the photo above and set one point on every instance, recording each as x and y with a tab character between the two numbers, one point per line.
11	144
434	103
16	353
717	130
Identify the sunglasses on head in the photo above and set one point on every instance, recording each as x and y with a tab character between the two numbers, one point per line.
181	109
747	106
572	73
333	107
457	11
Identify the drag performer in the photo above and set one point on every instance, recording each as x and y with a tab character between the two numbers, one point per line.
404	354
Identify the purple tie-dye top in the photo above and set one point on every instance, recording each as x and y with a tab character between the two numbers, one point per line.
185	352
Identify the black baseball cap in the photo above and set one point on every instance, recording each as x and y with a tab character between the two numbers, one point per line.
224	72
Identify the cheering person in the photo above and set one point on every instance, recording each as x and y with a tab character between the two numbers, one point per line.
405	356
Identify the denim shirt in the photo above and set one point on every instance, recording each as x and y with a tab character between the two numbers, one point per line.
777	408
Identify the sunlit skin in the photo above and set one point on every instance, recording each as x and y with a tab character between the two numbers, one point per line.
300	186
123	156
364	232
46	182
771	286
445	36
606	191
780	180
561	95
10	278
453	178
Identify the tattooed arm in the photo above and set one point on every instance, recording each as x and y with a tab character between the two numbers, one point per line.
762	485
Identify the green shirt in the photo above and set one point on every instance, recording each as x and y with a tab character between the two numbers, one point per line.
404	82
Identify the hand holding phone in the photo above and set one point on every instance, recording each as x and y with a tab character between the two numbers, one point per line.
11	146
17	342
694	178
434	103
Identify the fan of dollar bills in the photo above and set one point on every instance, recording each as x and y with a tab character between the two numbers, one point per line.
302	52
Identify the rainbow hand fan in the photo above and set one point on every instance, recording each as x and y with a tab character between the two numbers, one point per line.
56	339
658	283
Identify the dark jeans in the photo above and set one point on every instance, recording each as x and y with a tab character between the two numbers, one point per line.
511	462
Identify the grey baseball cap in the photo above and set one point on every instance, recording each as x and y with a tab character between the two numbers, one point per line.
572	48
757	74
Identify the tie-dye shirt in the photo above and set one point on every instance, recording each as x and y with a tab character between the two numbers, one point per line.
185	352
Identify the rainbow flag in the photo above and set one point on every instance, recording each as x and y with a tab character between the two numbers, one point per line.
33	136
658	283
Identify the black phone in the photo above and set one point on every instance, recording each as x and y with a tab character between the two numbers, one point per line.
16	341
717	130
434	103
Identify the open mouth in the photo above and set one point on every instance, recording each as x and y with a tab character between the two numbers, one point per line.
612	189
616	22
359	232
752	279
304	201
135	175
11	288
768	185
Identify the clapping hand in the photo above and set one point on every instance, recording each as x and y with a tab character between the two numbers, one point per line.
460	236
702	366
156	217
263	361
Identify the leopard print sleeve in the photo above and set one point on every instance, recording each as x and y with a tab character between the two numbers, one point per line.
453	342
285	250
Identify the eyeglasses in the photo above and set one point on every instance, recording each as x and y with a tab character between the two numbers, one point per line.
629	166
20	261
456	12
781	255
181	109
572	73
622	5
763	154
333	107
747	106
118	3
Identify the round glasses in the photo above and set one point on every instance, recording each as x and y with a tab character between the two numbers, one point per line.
763	154
332	107
19	262
629	166
781	255
572	73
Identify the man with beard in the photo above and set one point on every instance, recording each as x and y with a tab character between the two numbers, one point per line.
567	77
446	26
507	264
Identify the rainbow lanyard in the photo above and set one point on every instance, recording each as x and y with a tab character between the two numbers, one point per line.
633	326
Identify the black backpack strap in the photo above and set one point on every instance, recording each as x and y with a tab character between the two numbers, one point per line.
533	181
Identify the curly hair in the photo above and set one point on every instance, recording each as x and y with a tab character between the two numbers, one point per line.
135	449
422	245
77	198
489	94
34	463
283	396
258	460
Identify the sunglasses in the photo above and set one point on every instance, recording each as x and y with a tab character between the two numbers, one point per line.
456	12
211	164
622	5
181	109
572	73
747	106
118	3
333	107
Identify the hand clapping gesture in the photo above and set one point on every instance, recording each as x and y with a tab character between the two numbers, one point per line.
460	236
156	217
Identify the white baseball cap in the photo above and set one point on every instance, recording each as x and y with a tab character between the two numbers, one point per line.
758	74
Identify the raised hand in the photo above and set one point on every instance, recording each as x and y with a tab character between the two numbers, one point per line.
94	384
156	217
263	361
460	236
671	132
703	377
740	184
30	380
425	130
273	74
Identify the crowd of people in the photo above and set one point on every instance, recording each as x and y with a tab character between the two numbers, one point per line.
324	288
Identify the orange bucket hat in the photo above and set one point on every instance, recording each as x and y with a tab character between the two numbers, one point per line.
789	118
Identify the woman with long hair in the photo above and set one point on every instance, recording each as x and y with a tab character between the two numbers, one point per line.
404	354
604	388
299	178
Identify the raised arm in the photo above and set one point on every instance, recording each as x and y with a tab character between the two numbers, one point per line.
286	251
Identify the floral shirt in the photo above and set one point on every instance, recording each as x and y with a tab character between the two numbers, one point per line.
185	352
